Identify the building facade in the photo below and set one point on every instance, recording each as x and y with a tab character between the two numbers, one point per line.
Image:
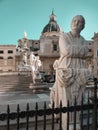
7	58
46	47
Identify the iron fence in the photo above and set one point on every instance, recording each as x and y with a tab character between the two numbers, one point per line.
87	115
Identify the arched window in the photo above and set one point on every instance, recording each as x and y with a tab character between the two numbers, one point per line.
55	45
1	57
10	57
1	51
10	60
1	61
10	51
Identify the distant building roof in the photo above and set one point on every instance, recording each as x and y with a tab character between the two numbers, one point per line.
52	25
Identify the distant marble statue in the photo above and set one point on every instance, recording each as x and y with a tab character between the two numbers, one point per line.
25	34
71	72
23	50
35	64
25	58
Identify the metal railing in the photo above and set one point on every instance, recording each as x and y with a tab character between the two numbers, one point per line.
87	115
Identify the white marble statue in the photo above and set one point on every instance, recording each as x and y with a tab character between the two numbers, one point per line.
25	34
35	64
25	58
71	71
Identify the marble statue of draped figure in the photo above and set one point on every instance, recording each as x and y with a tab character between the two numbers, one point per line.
71	71
35	64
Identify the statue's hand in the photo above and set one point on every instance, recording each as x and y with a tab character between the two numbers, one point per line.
66	76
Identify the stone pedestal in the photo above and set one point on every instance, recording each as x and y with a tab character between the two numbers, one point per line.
40	87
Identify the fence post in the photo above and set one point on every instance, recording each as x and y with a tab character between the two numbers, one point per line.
75	114
81	117
88	114
53	116
68	115
44	116
94	121
8	117
27	117
36	116
60	126
18	110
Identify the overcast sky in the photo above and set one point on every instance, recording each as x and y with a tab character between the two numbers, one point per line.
17	16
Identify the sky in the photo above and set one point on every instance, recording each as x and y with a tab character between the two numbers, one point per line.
31	16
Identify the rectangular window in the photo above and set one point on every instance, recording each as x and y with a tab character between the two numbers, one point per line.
10	51
54	47
1	51
35	49
10	70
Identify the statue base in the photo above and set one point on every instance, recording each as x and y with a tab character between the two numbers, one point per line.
39	87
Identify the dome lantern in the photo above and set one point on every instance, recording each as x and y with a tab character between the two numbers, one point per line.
52	25
52	17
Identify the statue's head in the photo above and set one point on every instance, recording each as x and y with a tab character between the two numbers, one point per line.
78	22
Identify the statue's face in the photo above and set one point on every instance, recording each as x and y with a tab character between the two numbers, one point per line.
78	23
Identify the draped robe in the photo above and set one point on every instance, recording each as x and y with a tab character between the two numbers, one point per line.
71	71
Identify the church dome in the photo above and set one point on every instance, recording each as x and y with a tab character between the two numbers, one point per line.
52	25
